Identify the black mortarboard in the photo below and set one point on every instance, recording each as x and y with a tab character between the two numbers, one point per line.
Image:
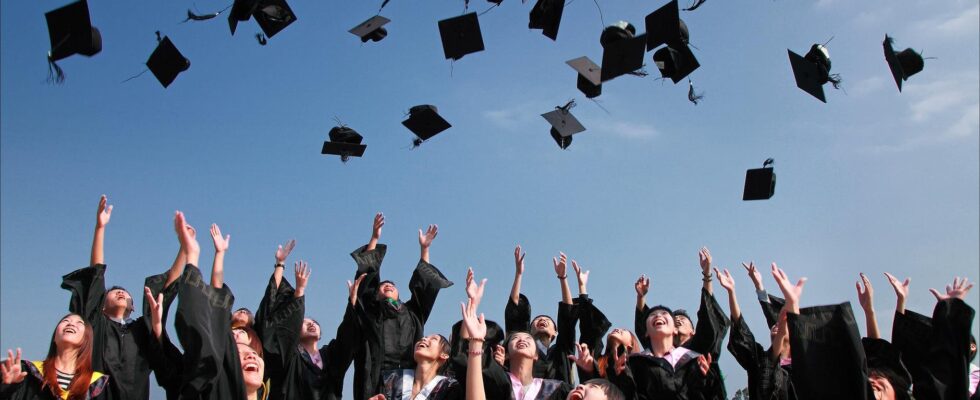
760	183
166	62
622	57
71	32
903	64
344	142
461	36
424	121
563	124
807	76
372	29
619	31
675	63
273	16
665	27
546	15
589	76
241	10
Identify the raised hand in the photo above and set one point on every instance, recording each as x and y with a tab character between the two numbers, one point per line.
425	239
560	265
518	260
473	291
379	222
704	363
475	326
11	370
725	280
704	258
105	212
188	239
220	244
499	354
642	285
619	361
156	311
865	296
901	291
790	291
583	277
302	277
958	289
583	358
283	251
352	289
754	274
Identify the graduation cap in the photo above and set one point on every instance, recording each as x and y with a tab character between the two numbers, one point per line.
424	121
619	31
589	76
622	56
166	62
546	15
241	10
675	62
372	29
664	26
760	183
71	32
461	36
563	124
813	71
273	16
344	142
903	64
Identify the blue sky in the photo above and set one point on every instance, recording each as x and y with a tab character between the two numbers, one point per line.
873	181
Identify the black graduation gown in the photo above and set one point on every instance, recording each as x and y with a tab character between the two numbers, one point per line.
168	357
935	350
30	387
767	380
592	327
553	364
458	351
496	385
120	350
828	357
389	333
211	367
652	378
393	381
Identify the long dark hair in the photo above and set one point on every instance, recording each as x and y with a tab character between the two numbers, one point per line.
78	388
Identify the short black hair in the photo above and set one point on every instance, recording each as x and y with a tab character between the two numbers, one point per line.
129	304
612	392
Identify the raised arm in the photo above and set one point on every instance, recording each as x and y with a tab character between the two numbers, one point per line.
98	239
726	281
282	252
561	264
704	258
425	240
220	247
476	327
769	309
790	291
865	297
379	222
188	240
901	291
156	312
515	289
582	277
642	286
177	268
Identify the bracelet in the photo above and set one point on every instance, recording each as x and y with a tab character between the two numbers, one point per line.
279	264
706	278
562	276
476	339
475	352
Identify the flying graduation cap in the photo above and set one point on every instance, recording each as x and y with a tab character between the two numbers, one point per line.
563	124
589	76
344	142
664	26
546	15
273	16
813	71
372	29
622	50
425	122
241	10
166	62
903	64
461	36
760	183
71	32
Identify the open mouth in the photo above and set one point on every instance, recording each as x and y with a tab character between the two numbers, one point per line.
659	322
70	329
421	345
523	345
577	394
251	367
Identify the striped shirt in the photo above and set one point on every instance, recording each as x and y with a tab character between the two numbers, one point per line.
64	379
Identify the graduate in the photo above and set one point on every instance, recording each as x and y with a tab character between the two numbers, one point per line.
390	327
121	346
459	344
66	372
768	370
519	384
553	342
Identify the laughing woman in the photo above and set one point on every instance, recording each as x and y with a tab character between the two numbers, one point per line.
66	373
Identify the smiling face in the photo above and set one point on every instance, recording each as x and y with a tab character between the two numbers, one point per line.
253	367
543	326
311	330
118	300
660	323
621	337
881	387
684	326
522	345
595	389
387	290
241	317
70	332
432	348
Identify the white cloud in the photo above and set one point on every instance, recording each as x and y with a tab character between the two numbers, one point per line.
938	97
963	23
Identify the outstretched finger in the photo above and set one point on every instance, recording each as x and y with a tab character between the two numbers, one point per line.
935	293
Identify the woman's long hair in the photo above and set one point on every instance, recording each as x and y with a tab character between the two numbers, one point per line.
603	360
78	388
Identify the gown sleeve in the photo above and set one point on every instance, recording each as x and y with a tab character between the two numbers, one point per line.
201	335
425	285
744	348
827	349
947	366
87	287
709	333
640	325
340	353
517	317
280	337
564	343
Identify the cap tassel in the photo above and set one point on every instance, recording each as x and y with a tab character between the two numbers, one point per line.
697	3
416	142
261	39
834	80
195	17
691	95
640	72
55	73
